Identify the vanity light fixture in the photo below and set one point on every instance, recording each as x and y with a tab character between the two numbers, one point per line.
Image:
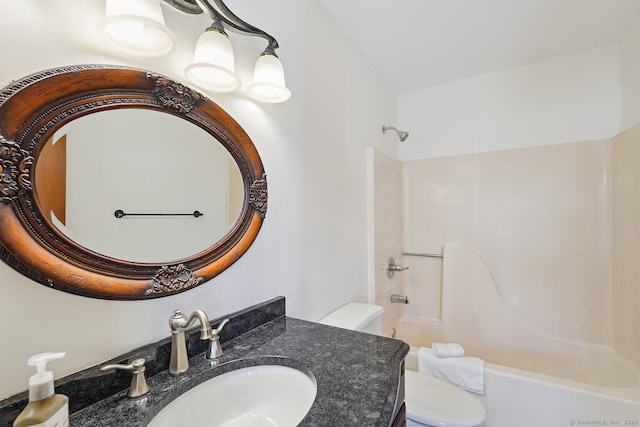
213	64
137	27
268	79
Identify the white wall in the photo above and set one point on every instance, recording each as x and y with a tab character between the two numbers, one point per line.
563	99
313	245
630	72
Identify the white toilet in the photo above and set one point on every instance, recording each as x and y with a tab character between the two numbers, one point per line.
430	402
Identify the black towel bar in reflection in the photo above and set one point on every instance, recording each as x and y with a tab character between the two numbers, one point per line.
121	214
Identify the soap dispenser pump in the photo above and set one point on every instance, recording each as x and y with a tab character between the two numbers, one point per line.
44	408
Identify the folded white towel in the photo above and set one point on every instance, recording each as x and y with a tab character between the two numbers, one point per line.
465	372
447	349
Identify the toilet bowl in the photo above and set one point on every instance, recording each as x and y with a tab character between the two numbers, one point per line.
430	402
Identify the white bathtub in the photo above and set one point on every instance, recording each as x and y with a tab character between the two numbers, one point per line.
519	398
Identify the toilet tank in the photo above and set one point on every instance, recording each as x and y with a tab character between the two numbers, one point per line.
356	316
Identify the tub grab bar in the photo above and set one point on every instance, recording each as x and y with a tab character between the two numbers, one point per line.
423	254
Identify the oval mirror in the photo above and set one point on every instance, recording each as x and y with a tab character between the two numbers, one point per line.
123	184
80	192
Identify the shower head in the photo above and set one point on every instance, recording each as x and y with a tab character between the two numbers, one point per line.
401	134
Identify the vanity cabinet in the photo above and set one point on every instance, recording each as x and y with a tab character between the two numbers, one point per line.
401	417
400	411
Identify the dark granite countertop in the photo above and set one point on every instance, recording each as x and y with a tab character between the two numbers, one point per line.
356	373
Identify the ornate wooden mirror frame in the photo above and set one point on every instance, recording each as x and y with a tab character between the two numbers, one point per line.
33	108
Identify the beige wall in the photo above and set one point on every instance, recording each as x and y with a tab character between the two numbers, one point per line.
386	222
547	235
536	215
626	243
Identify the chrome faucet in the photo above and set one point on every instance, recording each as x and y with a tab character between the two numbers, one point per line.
179	323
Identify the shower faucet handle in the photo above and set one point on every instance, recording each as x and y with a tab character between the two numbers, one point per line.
392	267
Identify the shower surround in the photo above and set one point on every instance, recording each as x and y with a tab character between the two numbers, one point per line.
541	253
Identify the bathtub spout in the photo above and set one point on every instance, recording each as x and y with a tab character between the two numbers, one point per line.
399	299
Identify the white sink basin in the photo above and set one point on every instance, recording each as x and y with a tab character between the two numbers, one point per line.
257	396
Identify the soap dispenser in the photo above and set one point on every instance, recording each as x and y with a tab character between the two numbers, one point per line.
45	408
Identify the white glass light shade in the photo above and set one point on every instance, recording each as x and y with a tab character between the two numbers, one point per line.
268	80
213	64
137	27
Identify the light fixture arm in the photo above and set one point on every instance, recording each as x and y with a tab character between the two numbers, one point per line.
189	7
242	26
222	13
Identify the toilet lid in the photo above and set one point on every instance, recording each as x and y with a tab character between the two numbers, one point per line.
439	403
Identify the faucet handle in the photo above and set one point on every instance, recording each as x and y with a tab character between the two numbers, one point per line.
215	349
217	330
138	385
177	320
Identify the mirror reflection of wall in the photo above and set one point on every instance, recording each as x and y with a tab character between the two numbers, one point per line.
144	161
52	177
